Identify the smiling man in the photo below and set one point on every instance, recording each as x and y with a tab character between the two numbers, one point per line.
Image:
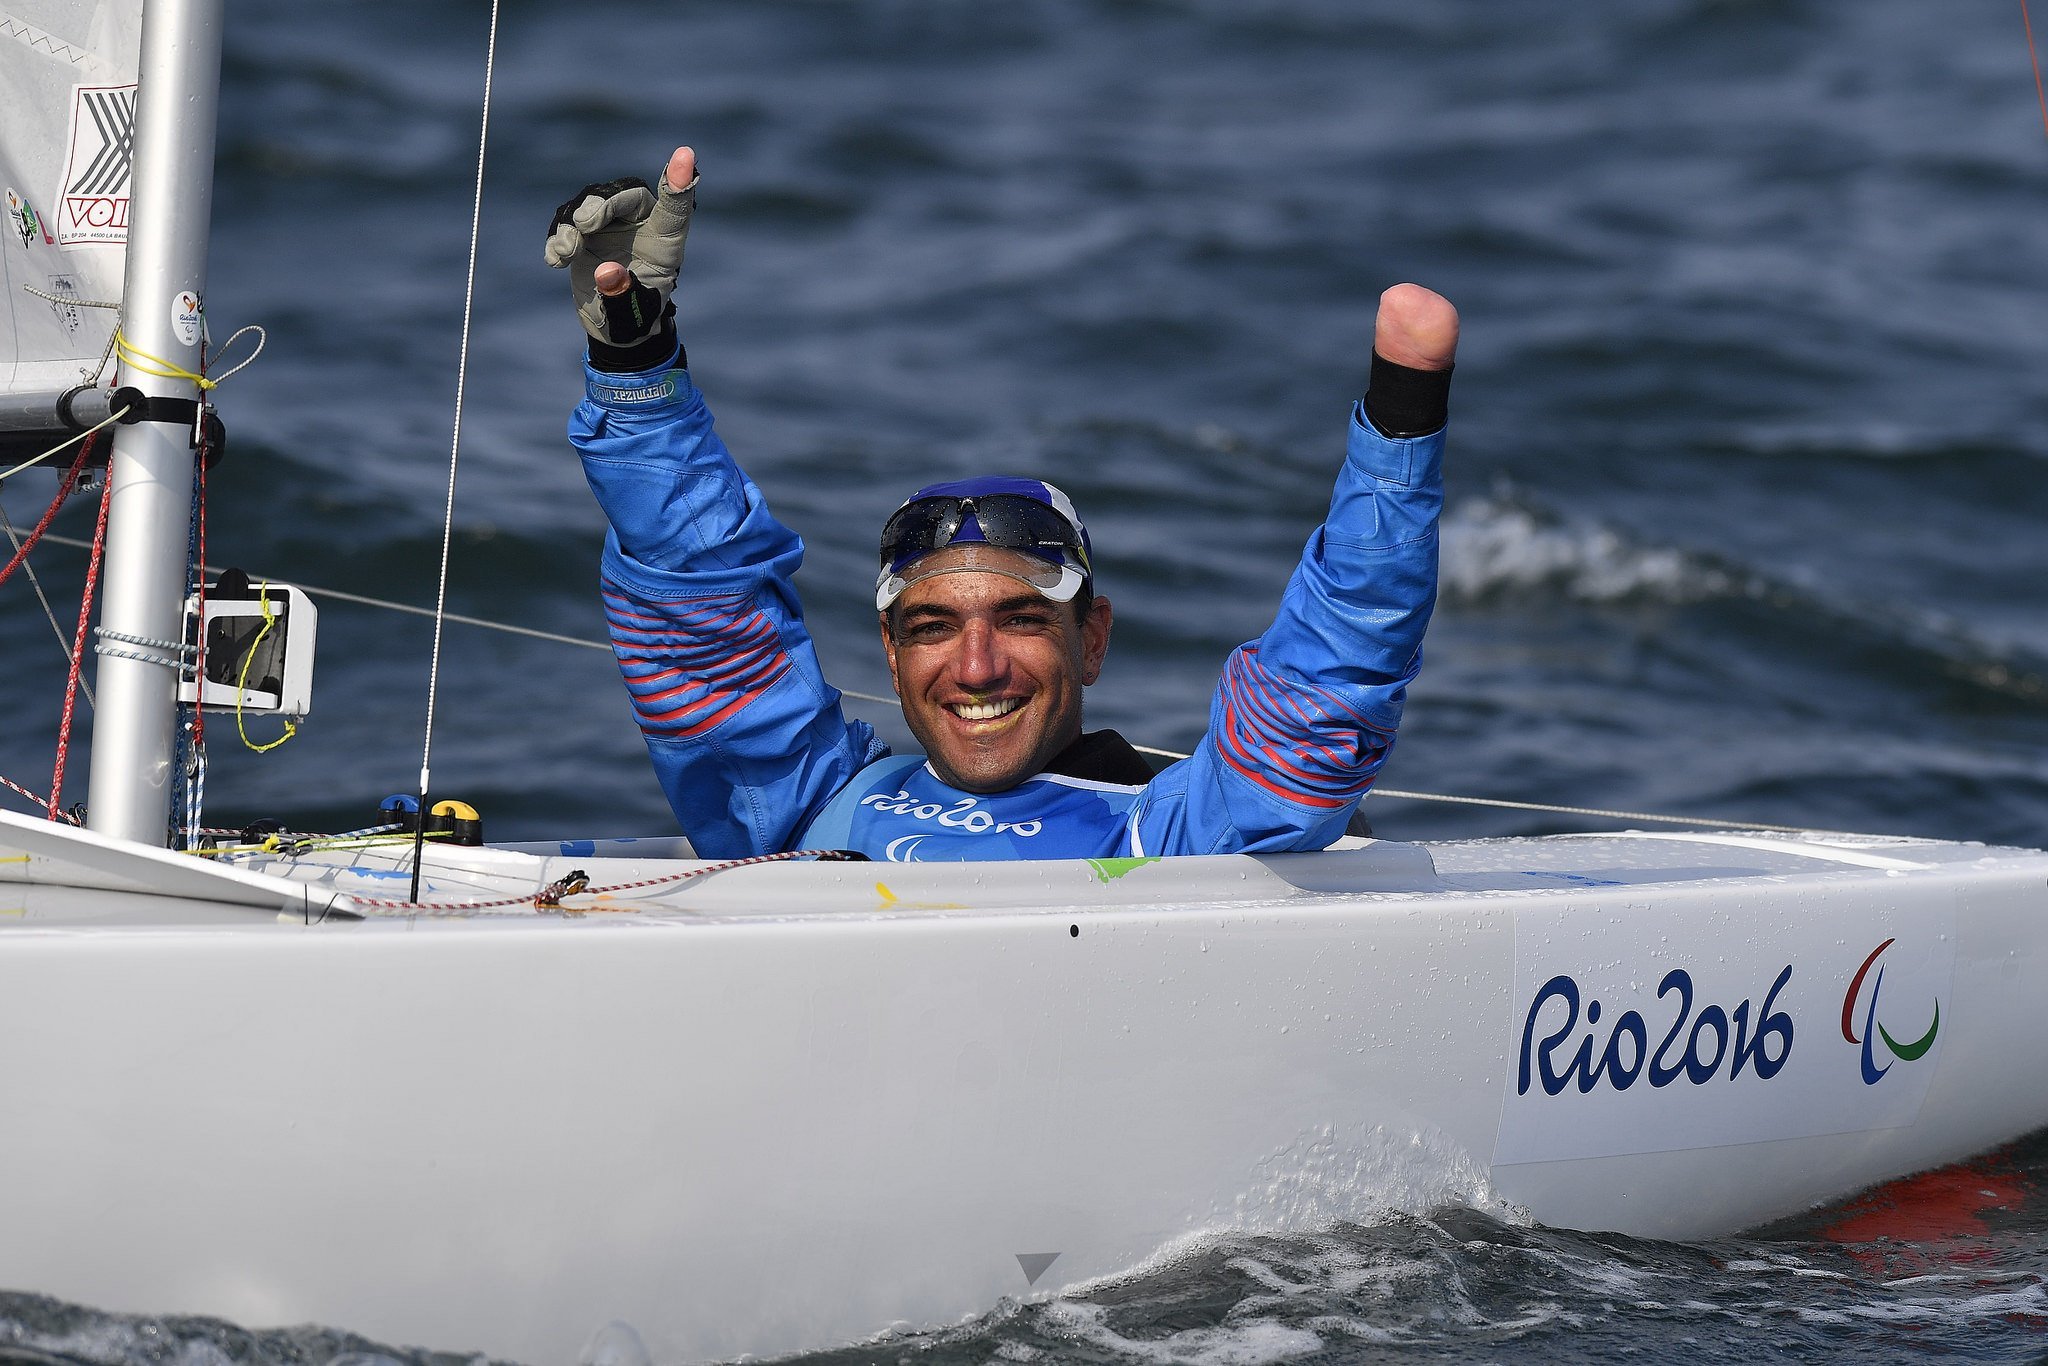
991	628
988	613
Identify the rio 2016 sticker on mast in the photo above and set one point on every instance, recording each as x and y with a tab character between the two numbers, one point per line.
188	317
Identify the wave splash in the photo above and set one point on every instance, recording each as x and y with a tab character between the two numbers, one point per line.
1497	547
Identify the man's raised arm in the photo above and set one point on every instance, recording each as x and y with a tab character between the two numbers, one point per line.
746	737
1305	715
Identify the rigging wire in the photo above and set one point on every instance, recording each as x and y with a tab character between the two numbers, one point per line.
49	610
35	799
1395	793
385	604
476	218
20	559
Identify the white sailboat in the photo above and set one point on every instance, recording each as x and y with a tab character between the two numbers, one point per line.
758	1109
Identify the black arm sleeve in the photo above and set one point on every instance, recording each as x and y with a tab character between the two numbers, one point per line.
1402	402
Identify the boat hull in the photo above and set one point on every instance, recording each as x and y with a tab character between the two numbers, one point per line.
775	1130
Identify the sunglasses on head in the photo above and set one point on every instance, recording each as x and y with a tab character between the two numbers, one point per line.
1010	520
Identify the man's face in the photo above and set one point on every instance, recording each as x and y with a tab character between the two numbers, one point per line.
990	674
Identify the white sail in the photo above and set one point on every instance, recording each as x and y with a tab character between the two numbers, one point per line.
67	135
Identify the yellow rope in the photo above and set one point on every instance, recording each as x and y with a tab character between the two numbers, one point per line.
278	844
149	365
136	359
242	681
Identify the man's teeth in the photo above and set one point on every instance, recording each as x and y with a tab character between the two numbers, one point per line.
986	711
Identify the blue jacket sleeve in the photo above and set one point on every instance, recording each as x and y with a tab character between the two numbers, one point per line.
1305	716
747	739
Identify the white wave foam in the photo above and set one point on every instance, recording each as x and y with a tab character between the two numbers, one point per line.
2026	1302
1251	1342
129	1340
1492	546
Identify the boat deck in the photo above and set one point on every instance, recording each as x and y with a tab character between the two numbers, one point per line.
52	877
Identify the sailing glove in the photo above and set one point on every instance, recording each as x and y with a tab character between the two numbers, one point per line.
642	229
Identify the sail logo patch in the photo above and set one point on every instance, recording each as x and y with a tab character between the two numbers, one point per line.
1873	1027
28	224
100	169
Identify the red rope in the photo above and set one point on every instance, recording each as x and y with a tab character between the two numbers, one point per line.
64	487
63	492
34	800
92	579
549	897
2034	57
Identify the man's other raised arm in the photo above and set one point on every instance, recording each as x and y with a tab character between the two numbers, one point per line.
1305	715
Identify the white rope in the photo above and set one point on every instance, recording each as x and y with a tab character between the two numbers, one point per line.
176	654
71	300
106	358
1554	809
107	652
476	219
177	648
68	442
387	605
195	786
262	339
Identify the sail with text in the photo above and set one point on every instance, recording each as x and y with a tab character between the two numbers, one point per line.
67	143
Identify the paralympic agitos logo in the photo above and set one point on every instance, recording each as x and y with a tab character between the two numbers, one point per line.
1873	1028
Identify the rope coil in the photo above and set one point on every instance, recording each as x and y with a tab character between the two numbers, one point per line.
577	883
292	843
242	680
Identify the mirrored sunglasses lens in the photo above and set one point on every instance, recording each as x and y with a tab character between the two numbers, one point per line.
1006	519
919	528
1024	524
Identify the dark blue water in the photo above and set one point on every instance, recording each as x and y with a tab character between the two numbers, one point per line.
1748	474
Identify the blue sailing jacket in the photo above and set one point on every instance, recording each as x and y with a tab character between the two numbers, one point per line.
755	755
